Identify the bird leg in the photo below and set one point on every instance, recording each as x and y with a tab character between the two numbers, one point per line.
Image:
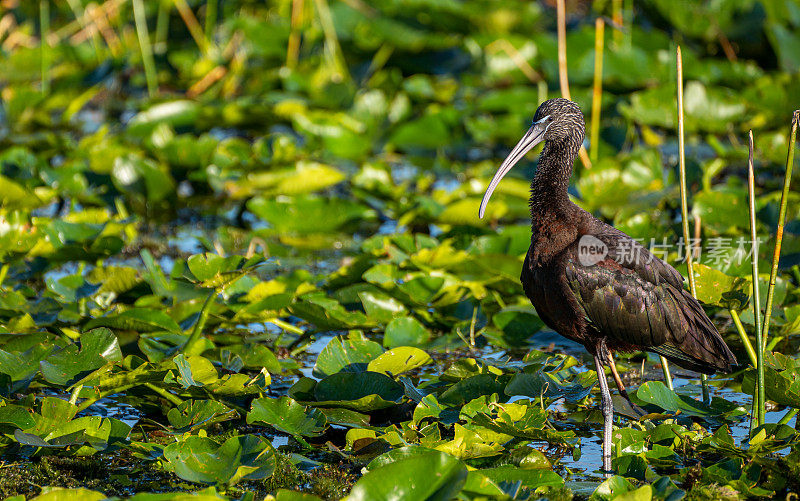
607	408
621	387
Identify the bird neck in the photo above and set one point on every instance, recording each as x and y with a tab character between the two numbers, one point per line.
549	187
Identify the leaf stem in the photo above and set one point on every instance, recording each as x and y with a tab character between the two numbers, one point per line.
164	393
88	402
197	330
788	416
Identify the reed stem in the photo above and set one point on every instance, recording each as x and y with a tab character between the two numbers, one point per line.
597	88
748	346
212	8
683	192
332	46
616	16
563	79
145	47
162	26
773	274
197	331
293	48
44	30
192	25
758	400
788	416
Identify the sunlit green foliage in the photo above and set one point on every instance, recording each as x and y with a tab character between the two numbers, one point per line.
268	278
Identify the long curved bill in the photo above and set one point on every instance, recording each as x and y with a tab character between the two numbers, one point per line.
534	136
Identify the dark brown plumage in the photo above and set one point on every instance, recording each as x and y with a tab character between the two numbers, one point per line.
620	297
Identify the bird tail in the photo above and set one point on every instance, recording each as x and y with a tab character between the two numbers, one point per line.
701	349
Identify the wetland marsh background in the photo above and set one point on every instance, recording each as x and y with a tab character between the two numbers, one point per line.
240	253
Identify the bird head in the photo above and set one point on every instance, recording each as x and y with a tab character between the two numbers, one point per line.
555	120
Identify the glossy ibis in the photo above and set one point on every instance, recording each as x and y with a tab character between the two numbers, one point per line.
593	283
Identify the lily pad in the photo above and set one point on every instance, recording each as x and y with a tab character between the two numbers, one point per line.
347	386
97	348
399	360
346	354
405	331
286	415
203	460
431	476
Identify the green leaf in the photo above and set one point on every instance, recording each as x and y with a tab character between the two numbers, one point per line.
529	478
717	288
722	210
139	320
17	416
518	324
381	307
135	175
657	393
195	414
306	214
66	366
304	177
286	415
545	384
195	371
60	494
287	495
348	354
327	314
471	388
116	279
176	113
433	476
613	487
468	444
399	360
348	386
405	331
782	387
207	266
203	460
